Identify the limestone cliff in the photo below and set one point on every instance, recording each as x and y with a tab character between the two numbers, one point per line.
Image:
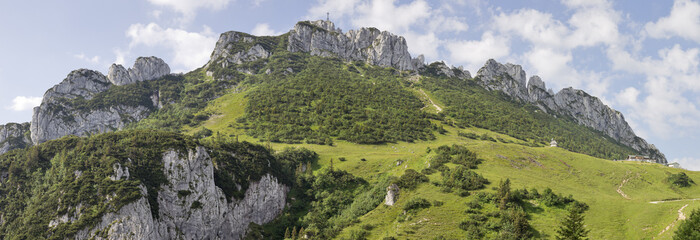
585	109
321	38
13	136
58	115
202	213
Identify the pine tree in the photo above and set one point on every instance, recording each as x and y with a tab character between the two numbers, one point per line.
504	194
572	227
689	228
294	232
286	233
301	233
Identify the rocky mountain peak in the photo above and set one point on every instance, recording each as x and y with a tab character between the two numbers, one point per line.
144	69
508	78
79	83
585	109
321	38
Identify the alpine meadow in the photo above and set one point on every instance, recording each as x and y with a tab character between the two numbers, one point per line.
320	133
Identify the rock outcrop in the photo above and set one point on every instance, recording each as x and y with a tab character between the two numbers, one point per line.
508	78
13	136
144	69
58	115
228	50
202	213
585	109
392	194
381	48
441	69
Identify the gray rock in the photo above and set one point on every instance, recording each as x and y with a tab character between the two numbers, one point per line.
392	194
14	136
509	78
321	38
585	109
204	213
144	69
418	62
118	75
57	116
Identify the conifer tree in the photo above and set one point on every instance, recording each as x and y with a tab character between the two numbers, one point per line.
690	228
301	233
286	233
572	227
294	232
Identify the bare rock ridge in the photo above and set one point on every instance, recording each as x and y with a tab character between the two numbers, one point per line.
145	68
585	109
321	38
204	213
57	116
13	136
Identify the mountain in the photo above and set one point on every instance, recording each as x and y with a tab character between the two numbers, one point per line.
346	120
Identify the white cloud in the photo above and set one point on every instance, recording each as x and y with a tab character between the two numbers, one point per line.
263	29
190	49
188	8
22	103
663	106
476	53
119	56
385	15
93	60
426	44
594	25
683	21
339	8
628	96
534	26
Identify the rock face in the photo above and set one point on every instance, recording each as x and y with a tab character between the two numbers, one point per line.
508	78
202	213
226	51
585	109
13	136
57	116
145	68
321	38
392	194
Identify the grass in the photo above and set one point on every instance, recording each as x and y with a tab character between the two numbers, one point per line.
591	180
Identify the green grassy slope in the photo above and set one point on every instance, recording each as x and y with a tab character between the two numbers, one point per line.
591	180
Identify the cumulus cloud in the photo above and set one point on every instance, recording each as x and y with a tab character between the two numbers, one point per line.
264	29
190	49
93	60
683	21
475	53
22	103
188	8
663	105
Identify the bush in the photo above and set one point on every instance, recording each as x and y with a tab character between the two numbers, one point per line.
202	133
416	204
680	180
411	179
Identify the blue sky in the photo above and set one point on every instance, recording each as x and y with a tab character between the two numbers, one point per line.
640	57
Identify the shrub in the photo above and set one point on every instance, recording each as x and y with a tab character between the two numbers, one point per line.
411	179
680	180
416	204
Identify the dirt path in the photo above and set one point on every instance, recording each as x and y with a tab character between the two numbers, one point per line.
619	189
677	200
681	216
439	109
